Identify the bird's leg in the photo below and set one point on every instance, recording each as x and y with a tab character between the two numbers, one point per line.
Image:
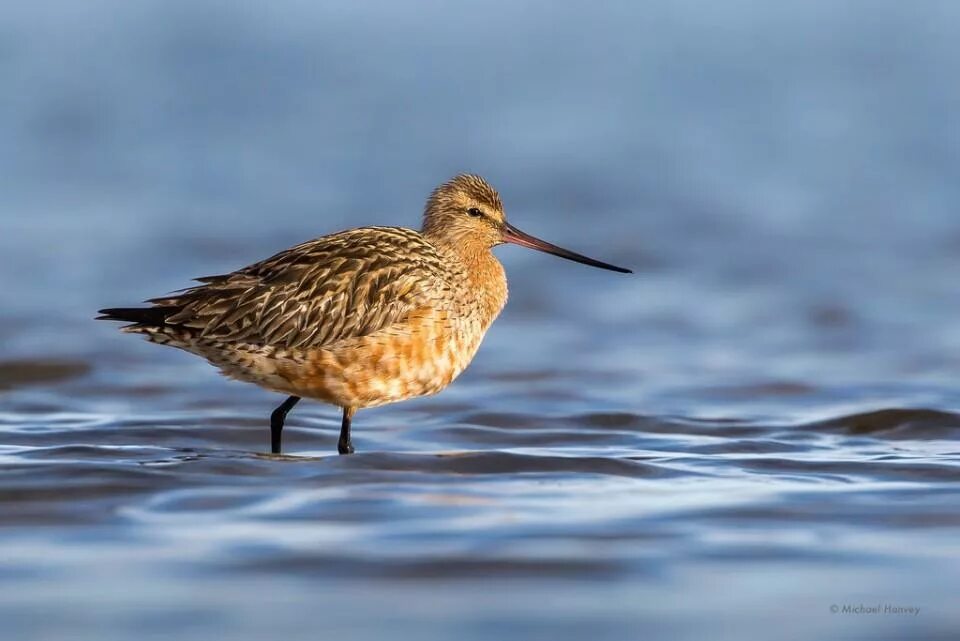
344	446
276	422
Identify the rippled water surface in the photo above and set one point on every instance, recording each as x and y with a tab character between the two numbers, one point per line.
754	436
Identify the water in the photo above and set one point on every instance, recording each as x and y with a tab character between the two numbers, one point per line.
759	425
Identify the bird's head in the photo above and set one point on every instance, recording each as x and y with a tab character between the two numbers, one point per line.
465	213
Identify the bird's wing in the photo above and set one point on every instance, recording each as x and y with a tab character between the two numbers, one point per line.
341	286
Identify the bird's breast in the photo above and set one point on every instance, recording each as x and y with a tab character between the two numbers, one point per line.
417	357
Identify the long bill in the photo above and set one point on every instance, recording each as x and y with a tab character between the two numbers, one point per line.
513	235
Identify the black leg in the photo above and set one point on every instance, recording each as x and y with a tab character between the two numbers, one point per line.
344	446
276	422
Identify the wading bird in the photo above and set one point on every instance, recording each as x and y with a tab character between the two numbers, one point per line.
357	319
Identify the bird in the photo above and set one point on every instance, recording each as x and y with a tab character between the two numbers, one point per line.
356	319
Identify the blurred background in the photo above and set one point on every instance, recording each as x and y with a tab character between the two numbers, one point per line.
759	424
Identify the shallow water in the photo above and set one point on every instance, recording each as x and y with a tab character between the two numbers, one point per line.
759	425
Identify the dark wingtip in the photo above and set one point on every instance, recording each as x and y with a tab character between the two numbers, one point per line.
110	313
144	315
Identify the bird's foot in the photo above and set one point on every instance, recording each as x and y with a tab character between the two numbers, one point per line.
345	447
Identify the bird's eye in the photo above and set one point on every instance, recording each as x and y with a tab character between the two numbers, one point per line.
476	213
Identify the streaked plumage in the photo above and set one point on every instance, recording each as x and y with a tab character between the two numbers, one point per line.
357	319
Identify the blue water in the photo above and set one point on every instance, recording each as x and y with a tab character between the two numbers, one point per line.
759	425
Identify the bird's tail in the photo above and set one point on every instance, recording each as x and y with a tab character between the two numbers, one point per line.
150	322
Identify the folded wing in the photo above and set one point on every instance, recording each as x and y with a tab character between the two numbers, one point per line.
337	287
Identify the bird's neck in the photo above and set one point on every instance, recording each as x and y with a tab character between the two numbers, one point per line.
491	284
483	278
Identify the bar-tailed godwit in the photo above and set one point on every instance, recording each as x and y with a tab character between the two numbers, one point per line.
357	319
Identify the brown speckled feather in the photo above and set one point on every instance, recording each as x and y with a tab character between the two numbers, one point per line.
345	285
